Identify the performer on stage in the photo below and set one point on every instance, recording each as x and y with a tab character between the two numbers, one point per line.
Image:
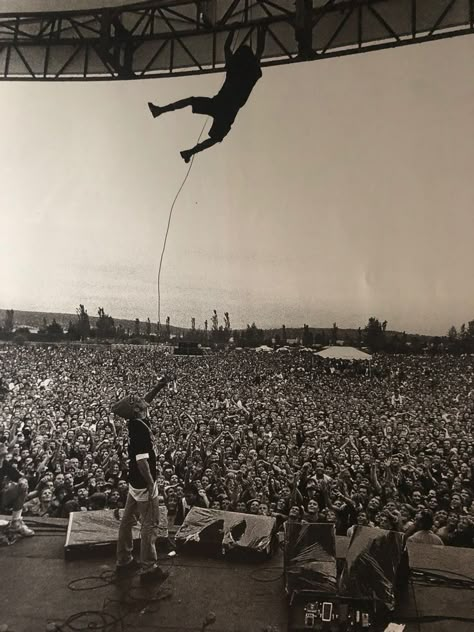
142	499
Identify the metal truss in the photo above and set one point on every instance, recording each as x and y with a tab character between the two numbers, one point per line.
171	38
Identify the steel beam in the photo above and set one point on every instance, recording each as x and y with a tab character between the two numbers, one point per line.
162	38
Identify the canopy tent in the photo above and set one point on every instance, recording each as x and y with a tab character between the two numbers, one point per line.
264	348
343	353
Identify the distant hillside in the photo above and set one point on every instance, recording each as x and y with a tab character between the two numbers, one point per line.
342	334
36	319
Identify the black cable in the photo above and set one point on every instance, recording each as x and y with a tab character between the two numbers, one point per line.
101	615
428	578
104	620
264	580
107	619
437	577
105	581
441	572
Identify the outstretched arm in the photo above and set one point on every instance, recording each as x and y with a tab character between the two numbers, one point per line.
228	47
162	382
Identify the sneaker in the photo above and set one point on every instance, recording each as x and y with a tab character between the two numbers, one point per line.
18	527
153	573
154	109
125	569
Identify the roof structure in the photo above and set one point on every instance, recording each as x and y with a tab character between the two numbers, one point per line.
71	40
343	353
35	7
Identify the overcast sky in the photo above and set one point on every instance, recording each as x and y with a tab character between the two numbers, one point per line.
344	190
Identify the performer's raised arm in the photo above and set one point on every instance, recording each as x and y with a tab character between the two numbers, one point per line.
261	38
160	385
228	47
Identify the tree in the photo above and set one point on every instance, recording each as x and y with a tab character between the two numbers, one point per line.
452	333
168	328
193	324
283	334
470	328
54	330
83	324
215	321
105	325
72	331
227	321
375	334
308	337
148	327
120	333
9	322
136	327
334	332
252	337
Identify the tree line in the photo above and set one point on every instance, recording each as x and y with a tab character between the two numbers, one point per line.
217	332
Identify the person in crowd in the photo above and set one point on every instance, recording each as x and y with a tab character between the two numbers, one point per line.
322	439
13	493
193	497
424	530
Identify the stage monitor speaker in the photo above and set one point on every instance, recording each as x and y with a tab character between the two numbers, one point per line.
375	567
237	535
310	558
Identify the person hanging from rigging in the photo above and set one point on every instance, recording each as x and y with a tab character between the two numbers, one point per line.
243	70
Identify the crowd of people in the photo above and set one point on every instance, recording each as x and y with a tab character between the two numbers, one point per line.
284	435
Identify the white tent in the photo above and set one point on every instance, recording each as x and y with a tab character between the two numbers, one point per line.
263	348
343	353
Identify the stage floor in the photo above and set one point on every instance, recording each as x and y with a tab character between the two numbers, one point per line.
35	578
244	597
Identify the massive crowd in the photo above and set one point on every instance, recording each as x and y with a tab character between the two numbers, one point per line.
264	433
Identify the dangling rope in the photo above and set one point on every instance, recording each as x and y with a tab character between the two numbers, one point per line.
168	227
173	205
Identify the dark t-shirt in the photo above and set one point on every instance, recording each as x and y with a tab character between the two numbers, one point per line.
242	73
139	442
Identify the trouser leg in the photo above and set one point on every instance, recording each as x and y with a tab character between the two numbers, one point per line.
14	496
177	105
125	538
149	512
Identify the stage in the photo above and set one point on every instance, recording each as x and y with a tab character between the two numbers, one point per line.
244	597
